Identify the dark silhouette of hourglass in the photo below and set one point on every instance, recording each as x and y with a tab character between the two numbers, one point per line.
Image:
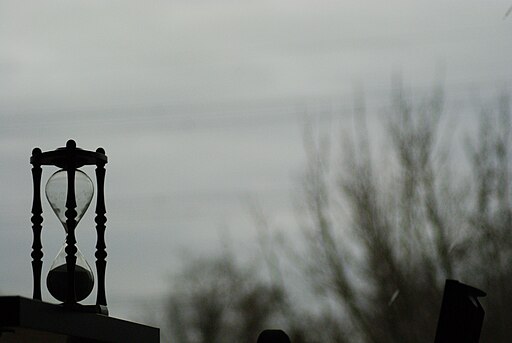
69	192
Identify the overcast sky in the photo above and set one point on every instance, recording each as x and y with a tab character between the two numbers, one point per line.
200	104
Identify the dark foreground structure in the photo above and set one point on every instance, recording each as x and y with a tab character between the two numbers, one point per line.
460	319
461	316
273	336
27	320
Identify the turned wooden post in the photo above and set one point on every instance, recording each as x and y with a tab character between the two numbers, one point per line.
101	219
37	221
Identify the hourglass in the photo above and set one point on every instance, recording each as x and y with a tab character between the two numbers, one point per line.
69	192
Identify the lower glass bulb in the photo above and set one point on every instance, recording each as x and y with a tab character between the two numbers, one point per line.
57	279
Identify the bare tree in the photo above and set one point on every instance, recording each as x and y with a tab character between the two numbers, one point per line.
213	300
415	229
380	239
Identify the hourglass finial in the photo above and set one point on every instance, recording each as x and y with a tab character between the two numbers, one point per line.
71	144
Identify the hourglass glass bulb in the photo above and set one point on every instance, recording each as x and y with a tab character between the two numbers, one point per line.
57	189
57	195
57	279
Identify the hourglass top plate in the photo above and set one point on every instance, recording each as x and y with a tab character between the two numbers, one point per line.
68	157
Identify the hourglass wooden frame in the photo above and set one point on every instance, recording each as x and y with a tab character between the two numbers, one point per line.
70	158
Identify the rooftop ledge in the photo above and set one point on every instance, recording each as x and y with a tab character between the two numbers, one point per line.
27	320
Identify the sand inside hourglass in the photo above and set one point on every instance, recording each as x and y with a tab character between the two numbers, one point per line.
57	282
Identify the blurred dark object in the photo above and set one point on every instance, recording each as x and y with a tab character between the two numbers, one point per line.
273	336
461	317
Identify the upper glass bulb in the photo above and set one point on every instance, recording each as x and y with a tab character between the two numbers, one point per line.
57	191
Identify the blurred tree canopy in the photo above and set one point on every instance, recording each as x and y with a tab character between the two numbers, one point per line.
382	230
216	301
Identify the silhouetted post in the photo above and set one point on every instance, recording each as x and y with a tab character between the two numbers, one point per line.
37	221
71	223
462	315
100	219
273	336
